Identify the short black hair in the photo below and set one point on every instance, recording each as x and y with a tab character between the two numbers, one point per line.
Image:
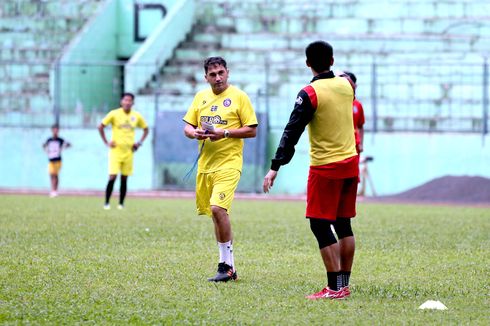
57	126
351	76
214	61
319	55
127	94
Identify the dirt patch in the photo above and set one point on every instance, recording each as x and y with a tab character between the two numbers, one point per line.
449	189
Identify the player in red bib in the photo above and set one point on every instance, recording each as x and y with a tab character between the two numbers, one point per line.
325	107
358	113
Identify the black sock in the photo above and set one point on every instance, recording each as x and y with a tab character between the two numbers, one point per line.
108	190
334	280
123	189
345	278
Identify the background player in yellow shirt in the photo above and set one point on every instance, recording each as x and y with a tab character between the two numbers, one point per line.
219	117
123	121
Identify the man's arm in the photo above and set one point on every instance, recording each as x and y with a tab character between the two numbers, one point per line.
104	139
65	144
102	133
143	137
299	119
145	134
302	114
192	132
361	127
361	139
243	132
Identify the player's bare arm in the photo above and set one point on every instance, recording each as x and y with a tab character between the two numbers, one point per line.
361	136
243	132
193	132
104	139
269	180
140	142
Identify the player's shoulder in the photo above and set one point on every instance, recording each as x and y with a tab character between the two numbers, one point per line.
203	92
140	115
237	91
307	91
115	111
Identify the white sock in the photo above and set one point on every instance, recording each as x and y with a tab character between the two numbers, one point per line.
226	253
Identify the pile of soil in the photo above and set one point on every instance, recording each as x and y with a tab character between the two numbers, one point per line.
461	189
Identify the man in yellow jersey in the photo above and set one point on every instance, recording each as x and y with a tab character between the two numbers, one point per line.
219	118
325	106
123	121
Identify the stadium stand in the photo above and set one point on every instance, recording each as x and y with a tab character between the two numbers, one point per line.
406	40
32	35
389	44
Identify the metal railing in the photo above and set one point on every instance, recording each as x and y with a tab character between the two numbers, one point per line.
414	97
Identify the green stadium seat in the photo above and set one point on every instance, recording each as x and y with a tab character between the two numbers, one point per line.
32	34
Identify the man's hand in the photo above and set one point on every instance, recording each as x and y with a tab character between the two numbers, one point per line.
216	134
112	144
269	180
201	134
136	146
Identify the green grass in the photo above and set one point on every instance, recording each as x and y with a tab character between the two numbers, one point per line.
67	261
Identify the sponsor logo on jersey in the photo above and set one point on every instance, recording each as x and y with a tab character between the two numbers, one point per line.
214	108
125	125
215	120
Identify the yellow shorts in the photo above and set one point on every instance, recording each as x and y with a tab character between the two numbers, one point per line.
120	163
54	167
216	189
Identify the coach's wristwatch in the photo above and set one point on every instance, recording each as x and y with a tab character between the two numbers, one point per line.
226	133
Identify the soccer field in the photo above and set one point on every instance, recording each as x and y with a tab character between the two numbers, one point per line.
67	261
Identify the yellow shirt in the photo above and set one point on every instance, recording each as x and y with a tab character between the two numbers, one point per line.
123	125
231	109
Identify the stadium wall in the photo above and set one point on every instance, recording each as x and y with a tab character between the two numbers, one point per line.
148	21
86	86
159	46
89	75
401	160
85	164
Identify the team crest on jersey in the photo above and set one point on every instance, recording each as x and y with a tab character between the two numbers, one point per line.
133	119
222	195
214	108
227	102
215	120
299	100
